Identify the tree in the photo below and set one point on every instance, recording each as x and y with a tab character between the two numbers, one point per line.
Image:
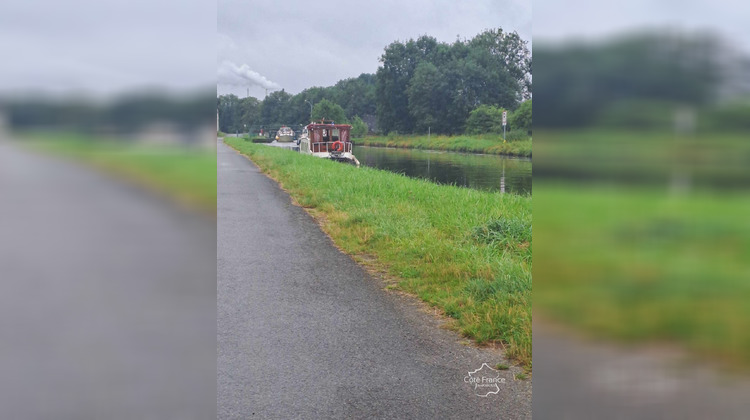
328	110
355	95
249	112
229	113
583	83
423	83
485	119
427	99
275	110
520	119
506	51
359	128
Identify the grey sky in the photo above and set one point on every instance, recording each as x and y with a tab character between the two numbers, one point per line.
556	20
300	44
106	46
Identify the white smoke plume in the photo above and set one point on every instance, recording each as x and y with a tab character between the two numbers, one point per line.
230	73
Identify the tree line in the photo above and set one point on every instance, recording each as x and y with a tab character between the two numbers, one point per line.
420	85
354	97
125	114
642	81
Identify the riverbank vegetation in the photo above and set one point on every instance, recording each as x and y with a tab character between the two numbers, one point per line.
185	175
463	251
486	143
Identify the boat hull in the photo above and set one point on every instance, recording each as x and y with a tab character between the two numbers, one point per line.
285	139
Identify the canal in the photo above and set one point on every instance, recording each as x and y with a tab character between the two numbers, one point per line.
484	172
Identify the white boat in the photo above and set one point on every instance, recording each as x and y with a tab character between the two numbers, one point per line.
328	141
285	135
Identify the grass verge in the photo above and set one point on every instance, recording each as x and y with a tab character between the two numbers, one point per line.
639	265
464	251
183	175
486	143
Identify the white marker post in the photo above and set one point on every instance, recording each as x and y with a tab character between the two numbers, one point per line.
505	121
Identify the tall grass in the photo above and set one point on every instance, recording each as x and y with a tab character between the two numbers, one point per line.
426	238
485	143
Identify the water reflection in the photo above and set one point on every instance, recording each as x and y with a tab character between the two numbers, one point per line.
484	172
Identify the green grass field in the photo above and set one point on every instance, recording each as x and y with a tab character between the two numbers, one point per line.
641	265
486	143
184	175
464	251
645	156
643	237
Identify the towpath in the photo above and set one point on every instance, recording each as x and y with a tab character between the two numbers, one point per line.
107	297
304	332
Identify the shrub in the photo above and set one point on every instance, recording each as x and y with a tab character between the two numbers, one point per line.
485	119
359	128
520	119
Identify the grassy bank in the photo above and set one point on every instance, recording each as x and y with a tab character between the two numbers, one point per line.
184	175
637	264
710	158
486	143
464	251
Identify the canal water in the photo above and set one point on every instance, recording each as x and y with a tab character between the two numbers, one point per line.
484	172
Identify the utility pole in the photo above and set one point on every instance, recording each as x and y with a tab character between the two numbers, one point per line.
311	107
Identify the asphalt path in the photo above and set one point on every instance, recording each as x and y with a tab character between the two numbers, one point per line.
580	378
107	297
305	332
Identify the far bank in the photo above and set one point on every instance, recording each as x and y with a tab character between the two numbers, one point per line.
484	143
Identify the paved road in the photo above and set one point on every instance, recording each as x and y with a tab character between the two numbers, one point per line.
304	332
579	379
107	298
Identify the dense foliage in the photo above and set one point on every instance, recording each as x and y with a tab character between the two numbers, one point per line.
485	119
126	114
421	85
424	83
355	96
359	128
520	119
327	110
635	81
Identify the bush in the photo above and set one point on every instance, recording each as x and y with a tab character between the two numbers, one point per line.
485	119
359	128
262	140
520	119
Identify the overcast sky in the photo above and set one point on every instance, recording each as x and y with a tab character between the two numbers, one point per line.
111	46
103	47
556	20
295	45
